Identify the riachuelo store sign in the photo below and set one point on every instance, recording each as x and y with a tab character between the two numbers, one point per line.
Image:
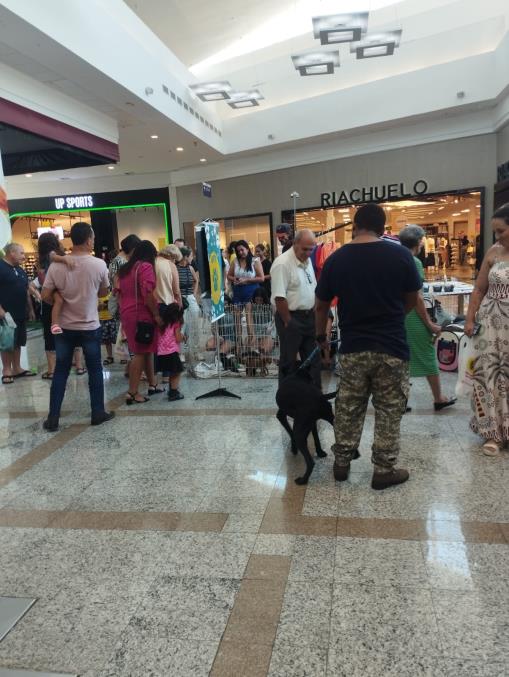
391	191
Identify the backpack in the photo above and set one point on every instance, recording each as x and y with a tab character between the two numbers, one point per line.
448	347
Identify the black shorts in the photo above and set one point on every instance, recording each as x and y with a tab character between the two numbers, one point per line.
20	335
108	332
170	364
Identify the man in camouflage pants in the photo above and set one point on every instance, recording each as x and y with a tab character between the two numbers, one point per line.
376	283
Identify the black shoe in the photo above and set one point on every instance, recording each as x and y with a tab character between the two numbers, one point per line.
102	418
341	472
174	395
50	424
448	403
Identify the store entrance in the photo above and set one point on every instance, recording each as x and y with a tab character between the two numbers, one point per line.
452	222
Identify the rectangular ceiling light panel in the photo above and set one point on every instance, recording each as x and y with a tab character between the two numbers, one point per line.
316	63
212	91
337	28
245	99
377	44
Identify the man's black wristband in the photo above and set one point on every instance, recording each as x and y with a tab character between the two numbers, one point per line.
321	338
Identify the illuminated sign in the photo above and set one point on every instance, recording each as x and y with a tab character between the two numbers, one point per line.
74	202
373	194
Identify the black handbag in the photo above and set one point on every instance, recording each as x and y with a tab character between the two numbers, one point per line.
144	330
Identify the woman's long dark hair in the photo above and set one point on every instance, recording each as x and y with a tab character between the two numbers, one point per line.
171	314
502	213
47	243
144	251
249	257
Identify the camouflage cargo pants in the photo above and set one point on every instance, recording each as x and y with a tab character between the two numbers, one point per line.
386	379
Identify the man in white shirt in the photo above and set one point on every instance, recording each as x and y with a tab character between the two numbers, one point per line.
293	295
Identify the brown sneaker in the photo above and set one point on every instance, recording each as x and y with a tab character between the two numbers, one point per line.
389	479
341	472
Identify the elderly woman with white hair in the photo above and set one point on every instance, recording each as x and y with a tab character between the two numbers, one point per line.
167	278
421	329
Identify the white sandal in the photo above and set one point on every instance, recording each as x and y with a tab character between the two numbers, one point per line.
491	448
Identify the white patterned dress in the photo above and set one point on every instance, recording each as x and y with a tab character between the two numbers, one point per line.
490	398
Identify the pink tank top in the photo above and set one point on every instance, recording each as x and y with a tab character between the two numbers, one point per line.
167	341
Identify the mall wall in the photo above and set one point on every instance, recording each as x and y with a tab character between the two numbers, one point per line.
447	165
503	145
147	224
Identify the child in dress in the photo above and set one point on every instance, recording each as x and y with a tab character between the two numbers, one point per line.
108	328
168	347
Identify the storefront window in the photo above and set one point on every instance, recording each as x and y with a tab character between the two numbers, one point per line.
254	229
452	223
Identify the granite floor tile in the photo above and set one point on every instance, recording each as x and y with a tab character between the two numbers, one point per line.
256	612
469	668
186	608
297	659
242	505
473	625
367	527
380	562
140	655
384	619
313	557
268	568
297	525
305	615
207	555
462	566
274	544
321	501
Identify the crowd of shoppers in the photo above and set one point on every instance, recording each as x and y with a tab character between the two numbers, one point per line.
387	334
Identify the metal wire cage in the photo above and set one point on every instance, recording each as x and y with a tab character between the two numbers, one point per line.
248	342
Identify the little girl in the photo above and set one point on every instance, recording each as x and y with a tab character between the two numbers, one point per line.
168	347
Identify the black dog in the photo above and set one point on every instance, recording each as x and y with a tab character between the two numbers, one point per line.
299	398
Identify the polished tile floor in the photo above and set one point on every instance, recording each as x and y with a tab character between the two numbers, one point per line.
174	542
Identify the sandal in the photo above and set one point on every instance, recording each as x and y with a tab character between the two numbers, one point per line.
154	390
81	371
131	399
47	376
491	448
108	360
7	380
23	374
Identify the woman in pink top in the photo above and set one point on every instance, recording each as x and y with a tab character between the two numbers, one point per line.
136	284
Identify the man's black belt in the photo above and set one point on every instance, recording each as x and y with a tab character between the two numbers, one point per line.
304	313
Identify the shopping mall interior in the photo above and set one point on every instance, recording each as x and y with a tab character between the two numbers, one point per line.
165	534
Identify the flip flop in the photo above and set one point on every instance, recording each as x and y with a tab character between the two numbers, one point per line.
7	380
108	360
47	376
23	374
81	371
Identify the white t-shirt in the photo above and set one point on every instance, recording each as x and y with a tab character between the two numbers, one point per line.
294	281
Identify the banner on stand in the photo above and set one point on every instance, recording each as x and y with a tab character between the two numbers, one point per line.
215	269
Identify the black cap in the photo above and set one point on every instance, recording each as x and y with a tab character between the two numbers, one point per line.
284	228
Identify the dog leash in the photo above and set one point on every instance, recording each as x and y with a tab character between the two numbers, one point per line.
313	354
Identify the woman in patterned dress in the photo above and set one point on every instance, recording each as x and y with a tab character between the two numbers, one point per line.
490	302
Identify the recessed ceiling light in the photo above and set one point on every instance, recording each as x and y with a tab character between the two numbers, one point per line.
28	176
212	91
377	44
457	214
338	28
111	166
316	63
179	149
203	159
465	211
478	206
154	136
245	99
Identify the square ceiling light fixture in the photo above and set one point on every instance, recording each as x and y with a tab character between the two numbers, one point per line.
338	28
377	44
245	99
316	63
212	91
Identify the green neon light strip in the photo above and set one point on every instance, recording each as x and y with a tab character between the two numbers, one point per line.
101	209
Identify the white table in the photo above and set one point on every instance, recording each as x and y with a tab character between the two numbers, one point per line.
461	290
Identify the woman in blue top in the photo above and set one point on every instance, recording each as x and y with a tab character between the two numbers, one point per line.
246	274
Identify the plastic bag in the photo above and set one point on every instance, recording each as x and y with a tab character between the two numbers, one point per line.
466	366
121	348
6	337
